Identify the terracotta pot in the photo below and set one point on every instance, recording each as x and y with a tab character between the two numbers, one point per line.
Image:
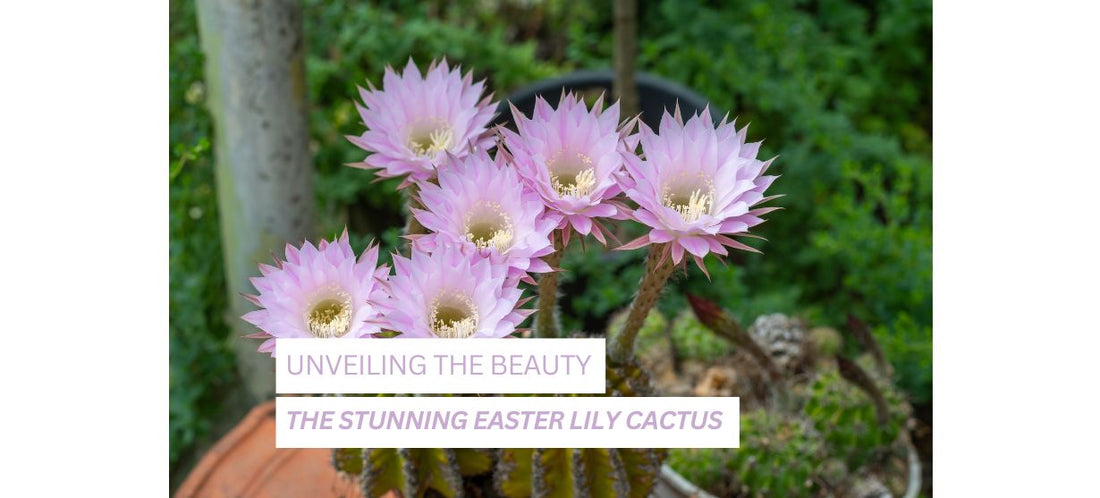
245	462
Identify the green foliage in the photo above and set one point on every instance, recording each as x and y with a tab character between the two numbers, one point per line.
779	455
603	472
388	470
513	473
691	339
651	334
200	362
704	467
847	418
908	346
694	340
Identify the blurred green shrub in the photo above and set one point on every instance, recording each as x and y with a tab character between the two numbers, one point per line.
200	361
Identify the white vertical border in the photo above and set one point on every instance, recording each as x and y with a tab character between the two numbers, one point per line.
1017	98
83	212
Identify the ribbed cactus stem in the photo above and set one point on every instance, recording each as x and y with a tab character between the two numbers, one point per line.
658	267
714	318
852	372
412	225
546	320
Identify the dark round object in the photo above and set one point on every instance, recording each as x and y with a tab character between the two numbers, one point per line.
655	94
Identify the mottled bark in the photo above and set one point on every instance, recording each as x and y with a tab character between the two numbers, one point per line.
255	73
626	48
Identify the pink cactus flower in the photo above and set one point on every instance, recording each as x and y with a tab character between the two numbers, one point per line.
697	186
414	122
571	156
321	291
484	205
451	292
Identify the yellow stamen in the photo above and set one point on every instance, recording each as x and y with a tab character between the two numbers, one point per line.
453	316
487	225
578	186
695	206
571	174
330	316
434	142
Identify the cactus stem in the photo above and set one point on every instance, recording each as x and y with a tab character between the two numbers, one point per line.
546	319
658	267
852	372
412	225
714	318
866	339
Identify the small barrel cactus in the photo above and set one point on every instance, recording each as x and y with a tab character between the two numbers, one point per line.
782	337
779	455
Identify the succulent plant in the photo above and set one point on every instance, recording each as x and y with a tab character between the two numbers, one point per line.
705	467
849	421
782	337
817	434
779	455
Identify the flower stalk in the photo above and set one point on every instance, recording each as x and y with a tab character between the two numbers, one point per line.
546	319
658	267
412	225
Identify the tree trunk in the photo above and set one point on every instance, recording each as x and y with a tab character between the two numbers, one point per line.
255	74
626	48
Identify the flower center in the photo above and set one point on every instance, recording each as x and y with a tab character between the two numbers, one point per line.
571	174
430	140
690	197
330	316
453	316
487	225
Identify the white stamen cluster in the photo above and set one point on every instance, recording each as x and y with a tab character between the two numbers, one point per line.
581	185
568	183
697	204
330	315
438	140
487	225
453	316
